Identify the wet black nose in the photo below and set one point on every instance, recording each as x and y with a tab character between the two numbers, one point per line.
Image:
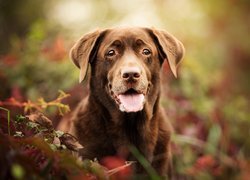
133	73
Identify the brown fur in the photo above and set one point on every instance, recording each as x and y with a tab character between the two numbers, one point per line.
101	127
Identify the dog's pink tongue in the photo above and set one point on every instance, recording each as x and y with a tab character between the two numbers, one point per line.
131	102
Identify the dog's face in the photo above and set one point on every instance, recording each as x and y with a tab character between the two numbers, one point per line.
133	58
125	64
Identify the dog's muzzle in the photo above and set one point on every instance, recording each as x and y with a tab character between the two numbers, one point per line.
130	90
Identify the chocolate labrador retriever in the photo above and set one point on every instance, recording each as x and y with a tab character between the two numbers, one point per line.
122	108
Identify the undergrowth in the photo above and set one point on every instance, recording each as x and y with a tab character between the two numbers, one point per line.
32	149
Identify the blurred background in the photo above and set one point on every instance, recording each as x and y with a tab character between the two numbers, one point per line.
208	104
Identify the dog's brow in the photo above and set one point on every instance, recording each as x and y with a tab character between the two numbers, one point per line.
139	42
144	42
116	43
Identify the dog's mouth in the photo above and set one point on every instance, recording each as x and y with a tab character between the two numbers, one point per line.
130	101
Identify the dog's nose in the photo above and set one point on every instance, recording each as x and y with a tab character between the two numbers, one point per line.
130	73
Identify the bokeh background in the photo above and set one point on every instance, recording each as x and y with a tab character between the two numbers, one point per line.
208	104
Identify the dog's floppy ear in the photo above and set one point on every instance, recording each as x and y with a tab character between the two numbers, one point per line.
83	50
171	48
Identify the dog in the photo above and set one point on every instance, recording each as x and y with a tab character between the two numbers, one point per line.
123	107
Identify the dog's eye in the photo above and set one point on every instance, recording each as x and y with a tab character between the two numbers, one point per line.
111	53
146	52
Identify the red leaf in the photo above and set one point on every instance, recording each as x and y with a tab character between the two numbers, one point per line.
113	162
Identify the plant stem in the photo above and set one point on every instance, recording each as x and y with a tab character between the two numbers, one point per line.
8	118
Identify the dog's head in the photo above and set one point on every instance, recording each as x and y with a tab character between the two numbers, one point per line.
125	63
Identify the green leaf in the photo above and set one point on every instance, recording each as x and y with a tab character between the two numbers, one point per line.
17	171
20	118
146	165
59	133
213	139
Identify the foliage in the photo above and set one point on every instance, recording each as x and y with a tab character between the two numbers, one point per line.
39	65
34	150
40	105
208	104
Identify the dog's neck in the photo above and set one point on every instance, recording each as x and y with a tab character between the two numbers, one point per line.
132	124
